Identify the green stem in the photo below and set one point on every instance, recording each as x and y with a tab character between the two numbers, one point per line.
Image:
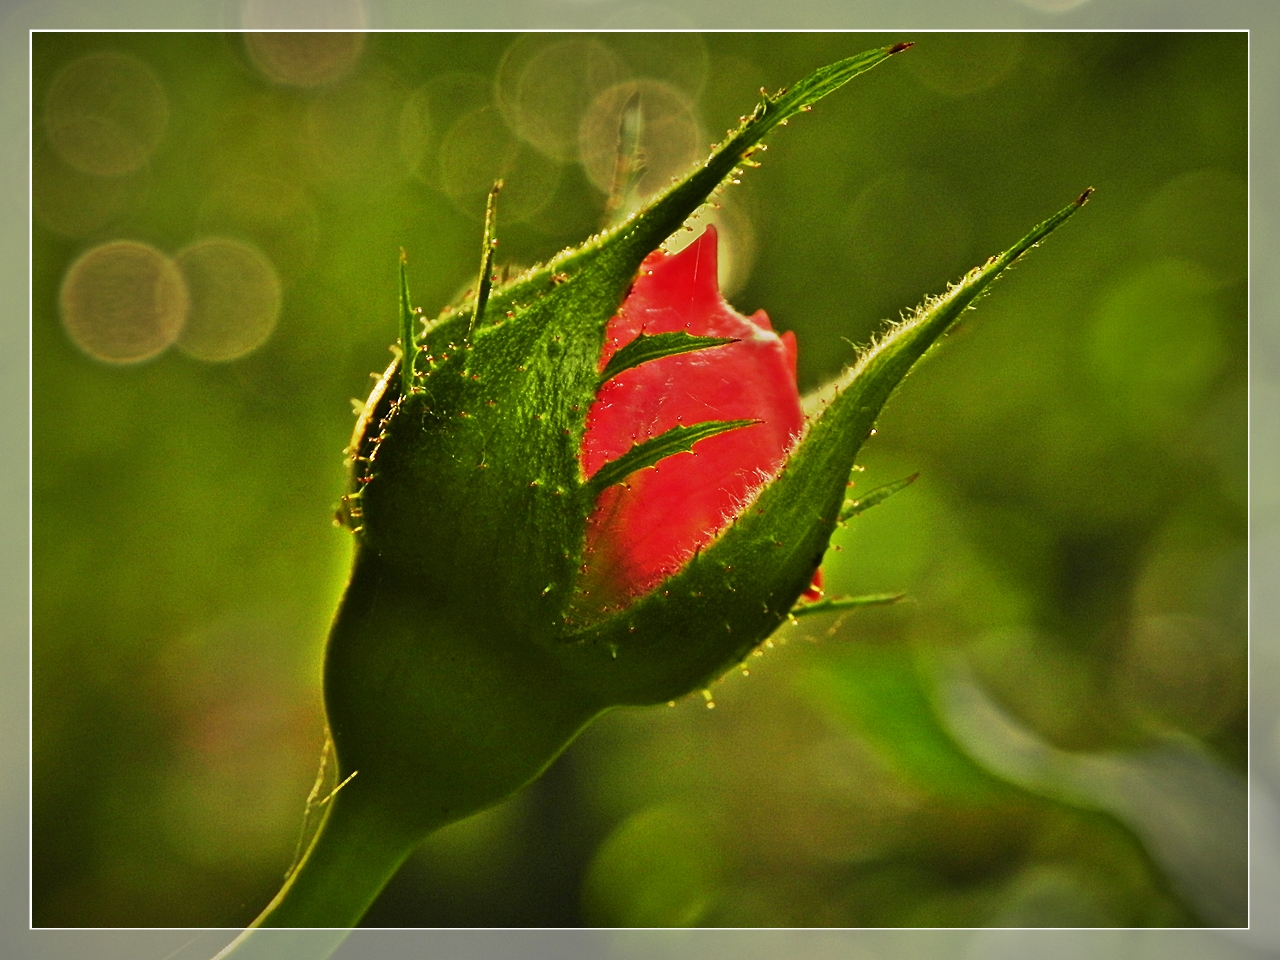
354	854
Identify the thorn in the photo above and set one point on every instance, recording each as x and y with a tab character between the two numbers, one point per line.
486	259
335	790
408	346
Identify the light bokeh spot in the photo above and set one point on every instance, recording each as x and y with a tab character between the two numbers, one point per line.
1184	672
671	138
545	85
123	302
452	137
922	228
255	134
1184	659
72	203
350	128
428	114
475	152
303	14
416	132
304	59
105	113
234	299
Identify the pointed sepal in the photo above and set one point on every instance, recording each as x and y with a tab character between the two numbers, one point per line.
652	452
646	347
485	281
408	342
838	604
874	497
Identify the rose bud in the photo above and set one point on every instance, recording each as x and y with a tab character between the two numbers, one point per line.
593	486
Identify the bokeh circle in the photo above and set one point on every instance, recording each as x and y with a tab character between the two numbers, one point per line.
234	296
304	59
123	302
544	88
105	113
671	138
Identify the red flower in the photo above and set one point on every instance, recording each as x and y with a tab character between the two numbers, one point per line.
643	531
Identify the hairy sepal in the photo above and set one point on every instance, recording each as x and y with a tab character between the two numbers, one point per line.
734	594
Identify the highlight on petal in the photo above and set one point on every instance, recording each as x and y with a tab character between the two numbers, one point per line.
648	527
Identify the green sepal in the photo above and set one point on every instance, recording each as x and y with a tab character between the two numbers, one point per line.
679	439
630	165
408	343
879	495
485	281
647	346
836	604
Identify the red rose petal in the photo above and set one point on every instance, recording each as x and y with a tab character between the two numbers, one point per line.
644	530
814	592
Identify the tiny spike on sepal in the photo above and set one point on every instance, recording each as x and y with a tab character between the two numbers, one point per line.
666	444
629	166
852	508
845	603
408	345
647	347
486	259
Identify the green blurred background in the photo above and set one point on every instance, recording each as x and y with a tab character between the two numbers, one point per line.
1050	731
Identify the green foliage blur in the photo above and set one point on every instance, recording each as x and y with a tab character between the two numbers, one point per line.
1049	731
